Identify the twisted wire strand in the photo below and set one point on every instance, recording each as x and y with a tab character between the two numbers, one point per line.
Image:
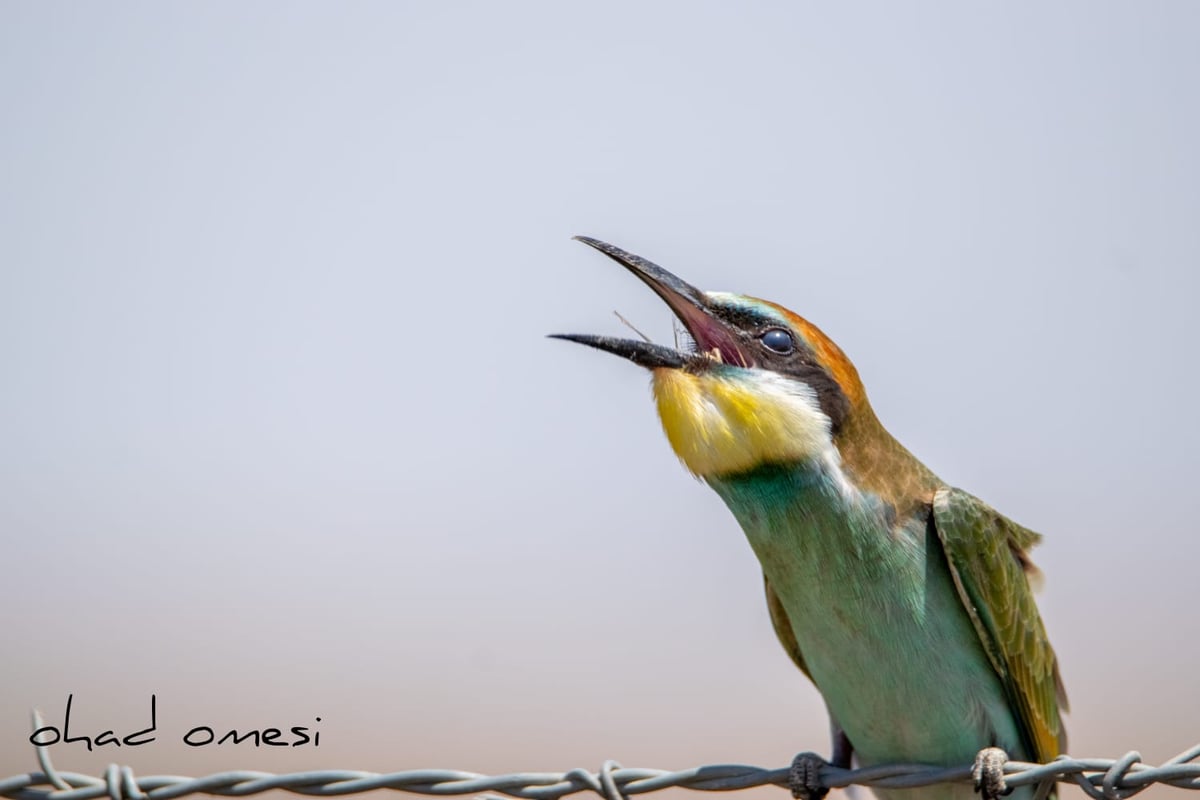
1100	778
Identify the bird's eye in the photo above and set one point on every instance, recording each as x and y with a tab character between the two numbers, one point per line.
778	341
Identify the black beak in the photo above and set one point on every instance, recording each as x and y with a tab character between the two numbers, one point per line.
688	303
684	299
644	354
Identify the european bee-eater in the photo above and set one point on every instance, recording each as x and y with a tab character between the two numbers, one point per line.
906	601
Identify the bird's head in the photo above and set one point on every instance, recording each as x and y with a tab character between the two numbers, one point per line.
762	385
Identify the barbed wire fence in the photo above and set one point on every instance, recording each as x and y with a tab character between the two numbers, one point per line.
1100	778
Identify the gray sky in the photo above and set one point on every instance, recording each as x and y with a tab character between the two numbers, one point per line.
280	435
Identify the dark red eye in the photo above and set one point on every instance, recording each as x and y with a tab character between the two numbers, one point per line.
777	340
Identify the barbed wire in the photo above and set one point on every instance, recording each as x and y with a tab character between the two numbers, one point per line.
1100	778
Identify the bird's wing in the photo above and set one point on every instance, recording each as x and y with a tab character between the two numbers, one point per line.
987	554
783	628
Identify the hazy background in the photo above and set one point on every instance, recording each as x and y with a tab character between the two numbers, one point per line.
280	435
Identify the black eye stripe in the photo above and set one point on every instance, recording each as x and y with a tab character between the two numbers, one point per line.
744	318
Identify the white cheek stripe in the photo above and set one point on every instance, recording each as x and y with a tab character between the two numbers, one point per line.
809	427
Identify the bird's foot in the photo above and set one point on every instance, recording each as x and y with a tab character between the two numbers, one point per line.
804	778
988	773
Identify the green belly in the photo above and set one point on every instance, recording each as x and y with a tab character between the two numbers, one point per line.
878	621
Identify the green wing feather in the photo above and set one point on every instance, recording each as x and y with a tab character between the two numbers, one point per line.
986	552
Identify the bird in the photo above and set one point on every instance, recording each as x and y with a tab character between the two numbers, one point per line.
907	602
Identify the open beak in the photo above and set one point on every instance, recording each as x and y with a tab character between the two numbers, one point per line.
689	304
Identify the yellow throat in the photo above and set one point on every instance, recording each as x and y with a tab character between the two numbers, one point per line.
721	423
